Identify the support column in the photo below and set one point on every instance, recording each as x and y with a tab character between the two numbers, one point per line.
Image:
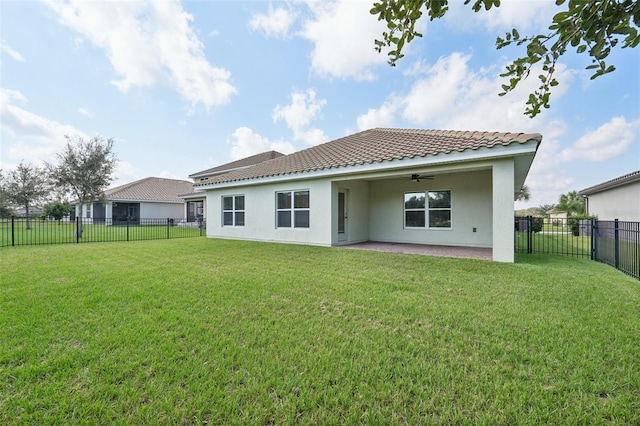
503	204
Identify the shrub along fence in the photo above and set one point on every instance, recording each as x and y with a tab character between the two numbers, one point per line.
614	242
20	231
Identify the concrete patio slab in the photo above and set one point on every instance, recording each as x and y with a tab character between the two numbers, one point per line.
425	249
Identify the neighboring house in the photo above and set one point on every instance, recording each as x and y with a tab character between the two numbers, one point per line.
617	198
387	185
33	211
556	215
149	198
194	201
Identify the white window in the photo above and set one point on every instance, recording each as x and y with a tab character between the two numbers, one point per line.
430	209
233	210
292	209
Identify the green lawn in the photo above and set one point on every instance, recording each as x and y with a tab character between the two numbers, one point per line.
203	331
554	242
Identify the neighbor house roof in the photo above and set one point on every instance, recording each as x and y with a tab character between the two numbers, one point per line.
622	180
150	189
374	146
238	164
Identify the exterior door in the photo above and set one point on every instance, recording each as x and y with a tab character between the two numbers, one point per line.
342	215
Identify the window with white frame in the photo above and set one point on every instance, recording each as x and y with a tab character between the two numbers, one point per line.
233	210
431	209
292	209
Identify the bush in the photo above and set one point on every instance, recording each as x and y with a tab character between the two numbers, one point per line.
537	224
574	223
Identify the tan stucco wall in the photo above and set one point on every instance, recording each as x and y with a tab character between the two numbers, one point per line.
260	213
470	208
622	203
357	222
503	204
482	201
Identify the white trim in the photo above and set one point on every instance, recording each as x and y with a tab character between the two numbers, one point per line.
483	153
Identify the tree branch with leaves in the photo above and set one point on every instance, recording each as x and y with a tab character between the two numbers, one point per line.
594	27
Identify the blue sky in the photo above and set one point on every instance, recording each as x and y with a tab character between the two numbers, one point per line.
185	86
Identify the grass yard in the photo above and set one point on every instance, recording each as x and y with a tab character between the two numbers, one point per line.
553	242
202	331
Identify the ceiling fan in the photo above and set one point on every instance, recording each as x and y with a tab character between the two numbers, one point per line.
416	177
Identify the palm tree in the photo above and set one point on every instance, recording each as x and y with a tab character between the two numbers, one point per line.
572	203
524	193
547	208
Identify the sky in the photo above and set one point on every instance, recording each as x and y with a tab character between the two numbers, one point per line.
185	86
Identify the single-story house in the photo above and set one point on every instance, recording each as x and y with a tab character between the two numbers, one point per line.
556	215
33	211
194	201
148	198
387	185
617	198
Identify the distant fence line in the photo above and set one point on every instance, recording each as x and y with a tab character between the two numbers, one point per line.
21	231
614	242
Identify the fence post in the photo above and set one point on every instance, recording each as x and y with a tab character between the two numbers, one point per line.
168	226
529	234
78	228
594	228
127	227
13	235
617	243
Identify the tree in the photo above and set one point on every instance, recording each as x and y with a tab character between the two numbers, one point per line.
5	208
571	203
57	210
524	193
590	26
85	169
546	209
26	186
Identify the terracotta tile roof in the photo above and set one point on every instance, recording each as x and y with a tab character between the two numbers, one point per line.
628	178
374	146
151	189
238	164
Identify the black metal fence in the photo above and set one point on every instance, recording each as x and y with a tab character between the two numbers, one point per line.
615	243
20	231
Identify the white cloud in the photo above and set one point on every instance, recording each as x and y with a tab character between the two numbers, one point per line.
304	108
148	43
608	141
451	95
378	117
525	15
245	143
124	172
275	23
37	138
11	52
85	112
343	32
547	177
